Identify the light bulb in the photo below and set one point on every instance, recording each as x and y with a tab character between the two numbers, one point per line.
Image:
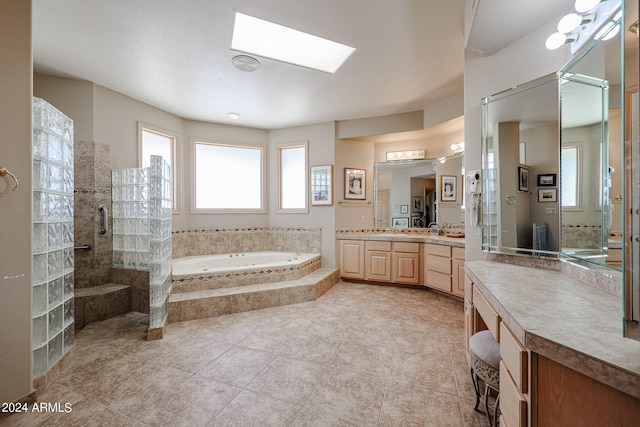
585	5
454	147
569	22
555	40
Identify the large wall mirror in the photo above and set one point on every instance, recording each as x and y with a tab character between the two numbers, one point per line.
551	151
417	193
560	187
520	169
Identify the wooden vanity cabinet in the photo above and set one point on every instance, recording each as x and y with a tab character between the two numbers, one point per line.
457	271
381	261
438	267
406	263
377	262
444	268
352	259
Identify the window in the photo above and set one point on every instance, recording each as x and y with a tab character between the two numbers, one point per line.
570	177
292	178
160	142
227	178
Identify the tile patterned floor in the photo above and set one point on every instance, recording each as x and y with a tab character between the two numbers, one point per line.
361	355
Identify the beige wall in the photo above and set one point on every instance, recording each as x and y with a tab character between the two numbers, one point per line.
15	228
358	155
321	138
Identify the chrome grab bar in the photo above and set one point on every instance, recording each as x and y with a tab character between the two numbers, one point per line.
86	247
105	219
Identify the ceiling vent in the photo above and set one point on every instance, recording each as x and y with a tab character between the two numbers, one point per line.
245	63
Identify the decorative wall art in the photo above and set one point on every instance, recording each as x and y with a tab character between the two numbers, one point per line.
448	188
523	178
322	185
354	184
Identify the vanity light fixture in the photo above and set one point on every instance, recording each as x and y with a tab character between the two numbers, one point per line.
458	148
593	17
393	156
555	40
586	5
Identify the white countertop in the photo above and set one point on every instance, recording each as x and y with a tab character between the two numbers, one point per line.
563	319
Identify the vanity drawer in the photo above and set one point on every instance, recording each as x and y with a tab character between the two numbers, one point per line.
468	288
410	247
439	281
457	252
440	250
514	357
373	245
439	264
513	405
488	314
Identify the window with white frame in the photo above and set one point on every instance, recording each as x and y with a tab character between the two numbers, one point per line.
153	140
570	177
227	177
292	176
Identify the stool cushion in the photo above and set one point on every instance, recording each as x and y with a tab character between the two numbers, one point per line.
485	348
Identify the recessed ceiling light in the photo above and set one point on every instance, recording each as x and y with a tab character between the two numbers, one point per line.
233	116
245	63
264	38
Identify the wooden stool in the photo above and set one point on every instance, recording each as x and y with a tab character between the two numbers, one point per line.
485	367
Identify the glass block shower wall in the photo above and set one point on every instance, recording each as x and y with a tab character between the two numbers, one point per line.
52	236
142	229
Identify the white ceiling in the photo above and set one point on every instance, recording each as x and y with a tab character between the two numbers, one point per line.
175	54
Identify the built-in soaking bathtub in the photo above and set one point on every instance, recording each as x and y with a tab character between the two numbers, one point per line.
195	273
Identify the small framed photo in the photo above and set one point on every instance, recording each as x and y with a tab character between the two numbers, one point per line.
448	188
354	184
417	221
404	209
523	178
417	205
548	195
322	185
400	222
547	180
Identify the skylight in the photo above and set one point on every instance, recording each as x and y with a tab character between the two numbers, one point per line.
273	41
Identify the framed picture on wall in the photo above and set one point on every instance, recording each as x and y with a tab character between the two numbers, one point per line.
547	180
548	195
448	188
404	209
417	221
354	184
322	185
523	178
400	222
417	205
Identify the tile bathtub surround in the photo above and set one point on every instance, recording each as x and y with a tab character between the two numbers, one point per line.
224	240
359	355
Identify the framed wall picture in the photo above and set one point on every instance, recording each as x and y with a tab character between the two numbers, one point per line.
417	204
322	185
404	209
400	222
547	180
548	195
523	178
448	188
354	184
417	221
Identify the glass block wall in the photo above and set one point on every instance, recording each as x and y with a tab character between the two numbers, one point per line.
52	236
160	258
142	229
